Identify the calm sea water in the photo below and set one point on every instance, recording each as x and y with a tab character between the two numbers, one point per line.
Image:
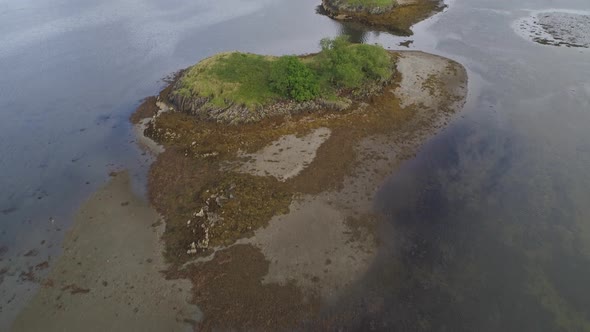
489	226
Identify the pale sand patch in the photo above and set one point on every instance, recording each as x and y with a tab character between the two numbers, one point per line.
108	278
326	242
287	156
313	246
420	72
145	142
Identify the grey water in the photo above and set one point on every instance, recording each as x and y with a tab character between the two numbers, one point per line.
488	227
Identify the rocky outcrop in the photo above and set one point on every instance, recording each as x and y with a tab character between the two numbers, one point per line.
236	114
396	18
201	107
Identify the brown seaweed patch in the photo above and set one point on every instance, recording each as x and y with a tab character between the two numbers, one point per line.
146	109
241	203
75	289
174	187
3	272
205	207
31	253
210	140
362	226
230	291
28	275
42	266
337	157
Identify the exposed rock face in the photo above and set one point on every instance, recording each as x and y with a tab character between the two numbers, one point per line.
236	114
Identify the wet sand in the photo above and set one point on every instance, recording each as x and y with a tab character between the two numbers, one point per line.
109	277
285	157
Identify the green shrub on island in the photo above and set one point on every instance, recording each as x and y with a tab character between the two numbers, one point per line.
344	65
255	80
290	77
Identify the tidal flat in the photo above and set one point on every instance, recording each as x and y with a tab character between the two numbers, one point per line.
287	201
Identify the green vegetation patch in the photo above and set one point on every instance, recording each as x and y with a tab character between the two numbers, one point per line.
230	78
255	80
370	3
344	65
292	78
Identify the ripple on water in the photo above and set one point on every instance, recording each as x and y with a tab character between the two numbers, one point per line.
556	28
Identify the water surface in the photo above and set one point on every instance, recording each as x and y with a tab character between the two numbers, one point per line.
488	228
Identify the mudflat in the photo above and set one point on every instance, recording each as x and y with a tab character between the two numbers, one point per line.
109	277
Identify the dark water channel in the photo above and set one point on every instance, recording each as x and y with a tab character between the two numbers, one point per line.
489	227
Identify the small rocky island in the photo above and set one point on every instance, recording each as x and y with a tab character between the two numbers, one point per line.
396	16
239	88
267	167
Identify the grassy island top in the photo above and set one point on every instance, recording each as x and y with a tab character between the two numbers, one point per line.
370	3
256	80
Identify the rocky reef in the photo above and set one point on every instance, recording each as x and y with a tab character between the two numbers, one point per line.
200	107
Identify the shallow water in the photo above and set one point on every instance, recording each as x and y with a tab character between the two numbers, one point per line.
489	226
